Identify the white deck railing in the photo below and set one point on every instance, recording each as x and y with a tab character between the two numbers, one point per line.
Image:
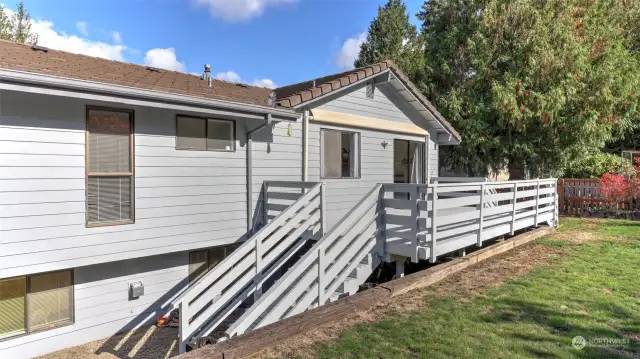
318	274
208	302
426	221
419	221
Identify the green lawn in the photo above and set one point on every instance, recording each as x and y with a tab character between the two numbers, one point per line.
592	291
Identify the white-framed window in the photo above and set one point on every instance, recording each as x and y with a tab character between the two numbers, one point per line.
205	134
109	167
36	302
339	154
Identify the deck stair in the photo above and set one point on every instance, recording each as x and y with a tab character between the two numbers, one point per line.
293	218
292	265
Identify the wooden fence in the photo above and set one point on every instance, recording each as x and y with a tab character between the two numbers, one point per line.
583	197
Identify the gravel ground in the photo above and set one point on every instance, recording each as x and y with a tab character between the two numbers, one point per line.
144	343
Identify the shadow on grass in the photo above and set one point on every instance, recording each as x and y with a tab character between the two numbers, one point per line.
563	326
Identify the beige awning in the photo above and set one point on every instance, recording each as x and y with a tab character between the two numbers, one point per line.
344	119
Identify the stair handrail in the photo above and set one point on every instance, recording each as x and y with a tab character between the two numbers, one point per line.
225	272
299	273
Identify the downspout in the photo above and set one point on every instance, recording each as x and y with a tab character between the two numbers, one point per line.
250	170
305	146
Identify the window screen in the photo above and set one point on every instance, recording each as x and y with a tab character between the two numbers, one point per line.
193	133
50	300
109	167
198	265
12	306
340	154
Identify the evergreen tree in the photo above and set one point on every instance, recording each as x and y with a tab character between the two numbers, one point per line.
21	26
531	84
6	30
392	37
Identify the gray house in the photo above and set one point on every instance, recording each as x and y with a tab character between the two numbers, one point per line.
122	185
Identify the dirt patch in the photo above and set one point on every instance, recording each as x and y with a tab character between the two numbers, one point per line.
467	283
145	343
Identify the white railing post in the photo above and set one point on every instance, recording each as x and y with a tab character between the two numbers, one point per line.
415	213
481	215
265	202
323	219
556	213
183	320
258	264
432	258
321	279
513	213
535	221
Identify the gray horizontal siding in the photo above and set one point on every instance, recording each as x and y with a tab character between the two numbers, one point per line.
277	156
103	307
357	103
183	199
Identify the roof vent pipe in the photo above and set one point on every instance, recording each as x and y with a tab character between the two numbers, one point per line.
207	74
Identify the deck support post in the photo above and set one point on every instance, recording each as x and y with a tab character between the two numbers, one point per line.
535	221
480	225
462	252
399	268
432	256
513	211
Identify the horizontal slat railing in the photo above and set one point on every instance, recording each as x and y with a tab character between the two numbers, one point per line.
208	302
454	215
316	276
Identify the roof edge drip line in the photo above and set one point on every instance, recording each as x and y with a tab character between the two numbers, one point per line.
30	78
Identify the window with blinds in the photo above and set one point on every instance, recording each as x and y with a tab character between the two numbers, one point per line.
35	303
195	133
340	154
109	167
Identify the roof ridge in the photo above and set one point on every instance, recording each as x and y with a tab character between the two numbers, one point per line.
339	74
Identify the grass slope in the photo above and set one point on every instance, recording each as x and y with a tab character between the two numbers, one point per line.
593	291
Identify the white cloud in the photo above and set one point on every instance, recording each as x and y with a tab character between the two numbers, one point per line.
238	10
82	28
350	50
229	76
268	83
116	37
232	76
164	59
51	38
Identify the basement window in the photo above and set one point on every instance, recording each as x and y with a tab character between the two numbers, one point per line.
37	302
205	134
340	154
202	261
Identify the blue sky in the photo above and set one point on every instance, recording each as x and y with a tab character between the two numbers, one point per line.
263	42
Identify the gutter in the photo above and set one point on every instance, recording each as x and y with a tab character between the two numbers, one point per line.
39	80
249	164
